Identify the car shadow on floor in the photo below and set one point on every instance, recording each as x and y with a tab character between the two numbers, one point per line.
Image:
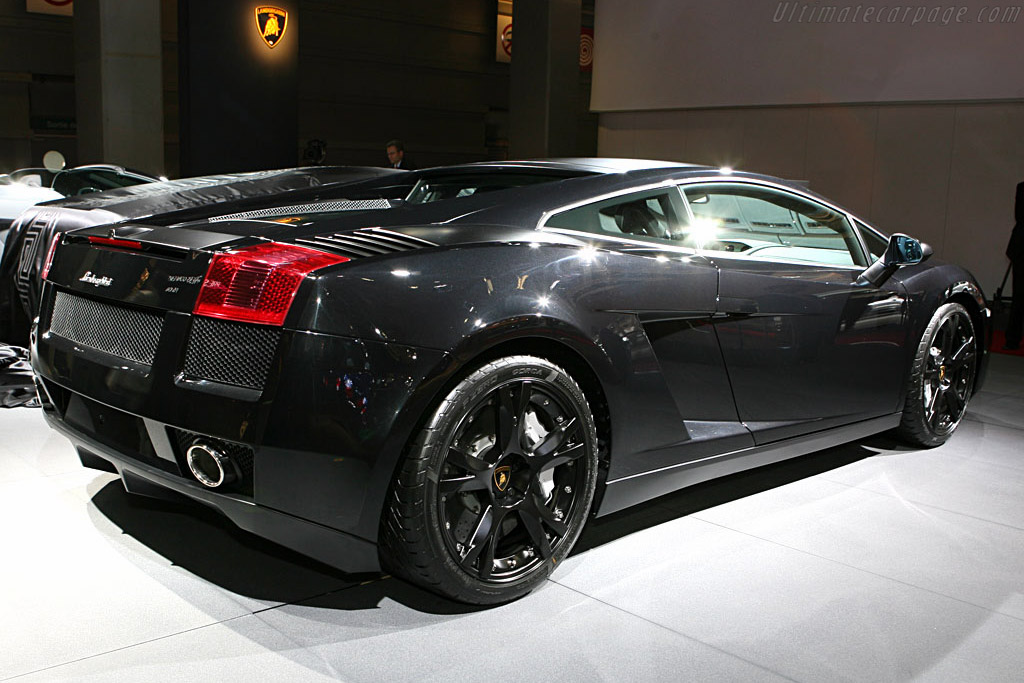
208	546
719	491
204	543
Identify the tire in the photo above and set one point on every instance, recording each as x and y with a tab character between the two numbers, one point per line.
495	489
941	379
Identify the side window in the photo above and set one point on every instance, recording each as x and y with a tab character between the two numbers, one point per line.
875	242
654	214
760	222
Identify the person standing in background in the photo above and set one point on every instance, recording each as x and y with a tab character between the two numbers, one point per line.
396	155
1015	251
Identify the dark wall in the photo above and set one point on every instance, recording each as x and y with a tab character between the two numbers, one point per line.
367	71
425	72
37	96
237	97
169	40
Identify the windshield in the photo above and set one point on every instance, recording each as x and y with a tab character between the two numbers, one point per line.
33	177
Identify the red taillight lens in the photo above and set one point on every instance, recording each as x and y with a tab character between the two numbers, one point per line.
257	284
54	241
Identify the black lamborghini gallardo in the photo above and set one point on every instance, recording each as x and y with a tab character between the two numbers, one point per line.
444	373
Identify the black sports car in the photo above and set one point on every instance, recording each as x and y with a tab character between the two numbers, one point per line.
447	372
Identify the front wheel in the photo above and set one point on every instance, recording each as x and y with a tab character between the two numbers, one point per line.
941	379
496	487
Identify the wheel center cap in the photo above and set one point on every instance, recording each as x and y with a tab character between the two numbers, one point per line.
510	480
502	477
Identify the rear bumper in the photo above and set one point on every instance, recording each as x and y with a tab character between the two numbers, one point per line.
336	548
316	437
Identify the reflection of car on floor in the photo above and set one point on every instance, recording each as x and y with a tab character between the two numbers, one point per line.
446	372
27	186
159	203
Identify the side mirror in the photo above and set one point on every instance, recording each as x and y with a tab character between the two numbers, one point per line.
905	251
902	250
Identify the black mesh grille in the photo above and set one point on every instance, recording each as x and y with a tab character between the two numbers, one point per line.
230	353
240	454
119	331
366	242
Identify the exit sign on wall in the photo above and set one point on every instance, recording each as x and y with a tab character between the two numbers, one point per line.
65	7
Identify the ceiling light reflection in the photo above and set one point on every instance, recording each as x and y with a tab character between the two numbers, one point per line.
703	231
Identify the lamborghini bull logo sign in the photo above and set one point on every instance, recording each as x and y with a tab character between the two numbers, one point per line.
502	475
272	23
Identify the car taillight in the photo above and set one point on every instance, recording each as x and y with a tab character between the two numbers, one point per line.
54	241
257	284
115	242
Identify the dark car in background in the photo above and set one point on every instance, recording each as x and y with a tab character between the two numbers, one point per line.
446	373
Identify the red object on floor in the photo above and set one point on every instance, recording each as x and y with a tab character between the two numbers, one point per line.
998	339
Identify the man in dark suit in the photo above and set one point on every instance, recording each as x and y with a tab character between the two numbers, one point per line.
396	155
1015	250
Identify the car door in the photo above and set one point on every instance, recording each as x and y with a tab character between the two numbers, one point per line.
806	347
670	292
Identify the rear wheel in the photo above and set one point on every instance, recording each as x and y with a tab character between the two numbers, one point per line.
496	488
941	379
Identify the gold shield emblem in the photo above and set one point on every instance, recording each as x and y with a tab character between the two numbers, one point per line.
272	23
502	476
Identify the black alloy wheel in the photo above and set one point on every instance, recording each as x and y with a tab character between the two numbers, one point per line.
496	488
942	378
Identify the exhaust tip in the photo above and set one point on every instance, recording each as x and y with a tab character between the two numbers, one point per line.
209	466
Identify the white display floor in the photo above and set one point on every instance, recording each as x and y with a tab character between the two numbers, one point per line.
866	562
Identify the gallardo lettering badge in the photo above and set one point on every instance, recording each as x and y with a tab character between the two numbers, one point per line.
272	22
96	280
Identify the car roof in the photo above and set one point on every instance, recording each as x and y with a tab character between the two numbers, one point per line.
591	164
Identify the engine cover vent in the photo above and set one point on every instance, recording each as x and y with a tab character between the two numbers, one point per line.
299	209
366	242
